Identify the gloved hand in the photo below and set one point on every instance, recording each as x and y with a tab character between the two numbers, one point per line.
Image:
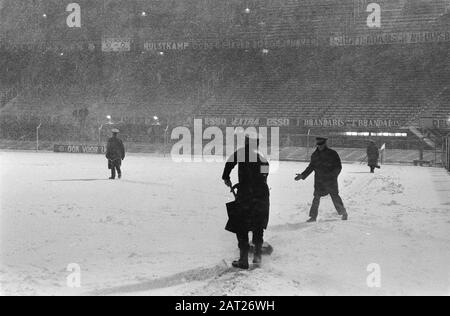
299	177
228	183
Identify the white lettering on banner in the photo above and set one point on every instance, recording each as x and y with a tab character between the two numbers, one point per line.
245	122
116	45
277	122
324	123
254	44
150	46
78	149
391	38
339	123
377	123
215	121
90	149
318	123
73	149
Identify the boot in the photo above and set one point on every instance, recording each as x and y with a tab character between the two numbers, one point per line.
345	216
242	263
312	220
257	257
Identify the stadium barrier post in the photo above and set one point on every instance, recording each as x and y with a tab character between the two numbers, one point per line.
165	140
100	134
37	136
446	152
307	144
435	155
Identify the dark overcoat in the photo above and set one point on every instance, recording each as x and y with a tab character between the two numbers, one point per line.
327	166
253	191
115	152
373	154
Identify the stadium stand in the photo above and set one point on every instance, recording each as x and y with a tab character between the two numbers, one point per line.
62	80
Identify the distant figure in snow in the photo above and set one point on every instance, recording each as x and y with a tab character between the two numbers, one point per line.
115	153
327	166
373	154
253	196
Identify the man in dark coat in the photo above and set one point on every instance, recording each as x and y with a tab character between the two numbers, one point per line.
327	166
115	153
253	196
373	154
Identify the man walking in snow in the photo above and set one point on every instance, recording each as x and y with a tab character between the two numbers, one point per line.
253	198
115	153
327	166
373	154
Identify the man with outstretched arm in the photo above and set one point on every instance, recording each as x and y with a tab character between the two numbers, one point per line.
327	166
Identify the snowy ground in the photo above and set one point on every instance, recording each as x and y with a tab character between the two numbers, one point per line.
159	231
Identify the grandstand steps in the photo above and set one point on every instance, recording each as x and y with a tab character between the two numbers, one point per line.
438	107
422	137
7	96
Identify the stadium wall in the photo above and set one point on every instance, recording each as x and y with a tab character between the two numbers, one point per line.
301	154
358	155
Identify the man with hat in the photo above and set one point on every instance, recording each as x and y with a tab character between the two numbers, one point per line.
115	153
253	196
327	166
373	154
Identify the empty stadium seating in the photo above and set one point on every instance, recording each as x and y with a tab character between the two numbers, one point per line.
40	85
441	110
286	86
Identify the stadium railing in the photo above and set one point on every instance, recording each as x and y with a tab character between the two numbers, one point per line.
446	152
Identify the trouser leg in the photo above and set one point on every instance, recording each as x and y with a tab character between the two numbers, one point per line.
258	240
119	172
258	237
338	204
243	240
113	172
314	212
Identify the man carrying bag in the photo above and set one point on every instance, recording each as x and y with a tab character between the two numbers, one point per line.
250	211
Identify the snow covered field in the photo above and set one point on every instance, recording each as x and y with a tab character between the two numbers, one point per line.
160	230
